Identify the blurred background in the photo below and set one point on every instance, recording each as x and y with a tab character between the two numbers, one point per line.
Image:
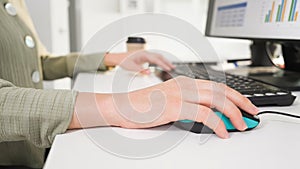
67	25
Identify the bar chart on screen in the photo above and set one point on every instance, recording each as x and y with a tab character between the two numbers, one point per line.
281	11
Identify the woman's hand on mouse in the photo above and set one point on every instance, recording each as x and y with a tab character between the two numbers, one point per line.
177	99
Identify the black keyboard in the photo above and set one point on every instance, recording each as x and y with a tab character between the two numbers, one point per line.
261	94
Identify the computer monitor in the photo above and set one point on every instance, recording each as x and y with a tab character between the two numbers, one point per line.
254	19
261	21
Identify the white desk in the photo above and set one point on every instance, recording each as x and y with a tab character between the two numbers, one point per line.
275	143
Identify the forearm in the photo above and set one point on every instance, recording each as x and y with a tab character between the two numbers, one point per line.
94	110
69	65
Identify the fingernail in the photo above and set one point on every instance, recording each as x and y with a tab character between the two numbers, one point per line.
226	135
244	127
146	71
255	109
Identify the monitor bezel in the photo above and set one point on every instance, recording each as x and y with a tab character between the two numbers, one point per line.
209	25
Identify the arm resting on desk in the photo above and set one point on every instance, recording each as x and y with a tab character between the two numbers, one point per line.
34	115
177	99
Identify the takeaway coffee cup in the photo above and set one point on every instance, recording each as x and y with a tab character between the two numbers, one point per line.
135	43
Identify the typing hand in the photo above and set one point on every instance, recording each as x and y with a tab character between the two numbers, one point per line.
134	61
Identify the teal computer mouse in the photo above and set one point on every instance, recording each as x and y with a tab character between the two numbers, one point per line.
195	127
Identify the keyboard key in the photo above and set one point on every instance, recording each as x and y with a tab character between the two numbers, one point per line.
257	92
281	93
270	94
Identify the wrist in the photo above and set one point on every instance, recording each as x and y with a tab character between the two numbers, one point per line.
106	106
114	59
93	110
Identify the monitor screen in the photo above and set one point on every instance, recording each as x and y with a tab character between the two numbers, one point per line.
254	19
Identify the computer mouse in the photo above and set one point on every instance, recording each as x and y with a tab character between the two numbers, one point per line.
195	127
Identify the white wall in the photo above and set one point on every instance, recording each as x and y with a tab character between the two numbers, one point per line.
50	18
41	16
95	14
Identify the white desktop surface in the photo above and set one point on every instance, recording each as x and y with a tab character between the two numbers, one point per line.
275	143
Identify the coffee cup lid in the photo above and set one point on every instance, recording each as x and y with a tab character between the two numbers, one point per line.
136	40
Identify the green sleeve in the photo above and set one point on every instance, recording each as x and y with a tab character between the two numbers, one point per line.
67	66
34	115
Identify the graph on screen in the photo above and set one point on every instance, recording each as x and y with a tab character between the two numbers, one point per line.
263	19
282	11
232	15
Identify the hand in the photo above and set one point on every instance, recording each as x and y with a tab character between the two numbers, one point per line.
134	61
176	99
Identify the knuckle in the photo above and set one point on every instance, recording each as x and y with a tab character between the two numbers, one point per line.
159	56
224	86
234	113
204	114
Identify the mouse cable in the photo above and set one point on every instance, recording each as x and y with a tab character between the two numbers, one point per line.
278	113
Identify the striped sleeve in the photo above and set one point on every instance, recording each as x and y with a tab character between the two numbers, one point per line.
34	115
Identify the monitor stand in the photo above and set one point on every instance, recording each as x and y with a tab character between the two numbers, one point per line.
262	69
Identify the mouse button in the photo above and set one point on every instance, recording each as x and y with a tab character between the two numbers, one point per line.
250	116
226	121
250	122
